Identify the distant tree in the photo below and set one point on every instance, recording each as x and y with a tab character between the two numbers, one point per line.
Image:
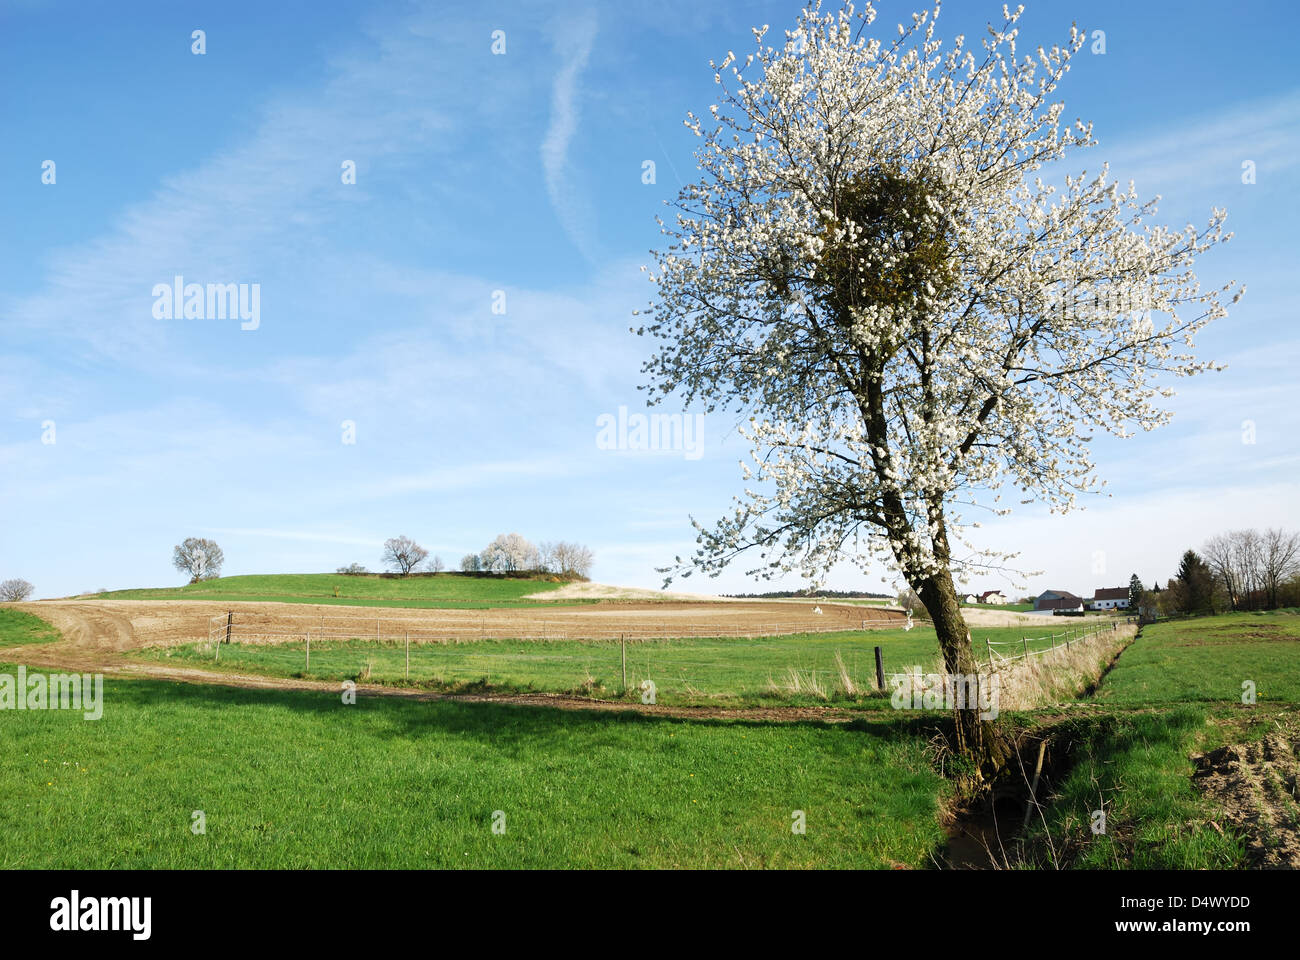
404	554
546	560
1197	582
1149	605
509	553
908	600
14	590
352	570
470	563
571	559
200	558
437	566
1234	559
1135	591
1280	556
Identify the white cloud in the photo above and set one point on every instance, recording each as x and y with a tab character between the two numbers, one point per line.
573	207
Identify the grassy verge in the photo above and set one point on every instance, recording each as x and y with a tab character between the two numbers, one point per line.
794	669
18	628
1136	769
442	590
1174	694
301	780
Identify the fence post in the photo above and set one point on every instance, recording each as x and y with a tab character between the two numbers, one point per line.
1025	642
408	656
989	647
230	623
622	642
1033	789
880	671
307	668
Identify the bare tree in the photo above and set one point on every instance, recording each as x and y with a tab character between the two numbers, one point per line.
1280	560
14	590
352	570
908	600
546	556
404	554
470	563
200	558
437	566
1220	554
571	559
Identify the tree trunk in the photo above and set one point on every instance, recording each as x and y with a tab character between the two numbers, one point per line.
975	738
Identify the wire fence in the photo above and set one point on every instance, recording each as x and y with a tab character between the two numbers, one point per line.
400	648
244	627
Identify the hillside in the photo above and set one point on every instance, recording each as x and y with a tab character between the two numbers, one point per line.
370	590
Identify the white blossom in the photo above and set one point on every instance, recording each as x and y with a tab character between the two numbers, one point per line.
877	427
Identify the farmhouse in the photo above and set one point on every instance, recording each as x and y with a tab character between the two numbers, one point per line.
1058	600
992	596
1109	598
970	598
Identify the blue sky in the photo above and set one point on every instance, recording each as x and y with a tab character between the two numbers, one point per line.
520	173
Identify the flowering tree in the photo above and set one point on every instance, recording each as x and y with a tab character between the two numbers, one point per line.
199	557
873	267
509	553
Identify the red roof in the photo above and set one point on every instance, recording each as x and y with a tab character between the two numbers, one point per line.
1111	593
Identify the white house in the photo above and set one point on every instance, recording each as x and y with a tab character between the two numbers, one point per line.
1109	598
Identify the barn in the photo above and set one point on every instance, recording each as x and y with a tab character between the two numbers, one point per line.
1058	600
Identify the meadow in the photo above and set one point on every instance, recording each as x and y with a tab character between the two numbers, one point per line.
1175	694
796	668
300	780
441	590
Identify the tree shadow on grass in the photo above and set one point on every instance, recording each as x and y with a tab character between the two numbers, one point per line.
505	726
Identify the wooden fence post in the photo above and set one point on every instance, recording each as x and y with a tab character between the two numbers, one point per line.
307	668
880	671
1025	642
230	623
989	647
408	656
622	642
1033	790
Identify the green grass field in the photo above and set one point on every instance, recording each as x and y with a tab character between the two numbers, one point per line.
1175	692
800	668
443	590
18	628
1135	767
299	780
1208	660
